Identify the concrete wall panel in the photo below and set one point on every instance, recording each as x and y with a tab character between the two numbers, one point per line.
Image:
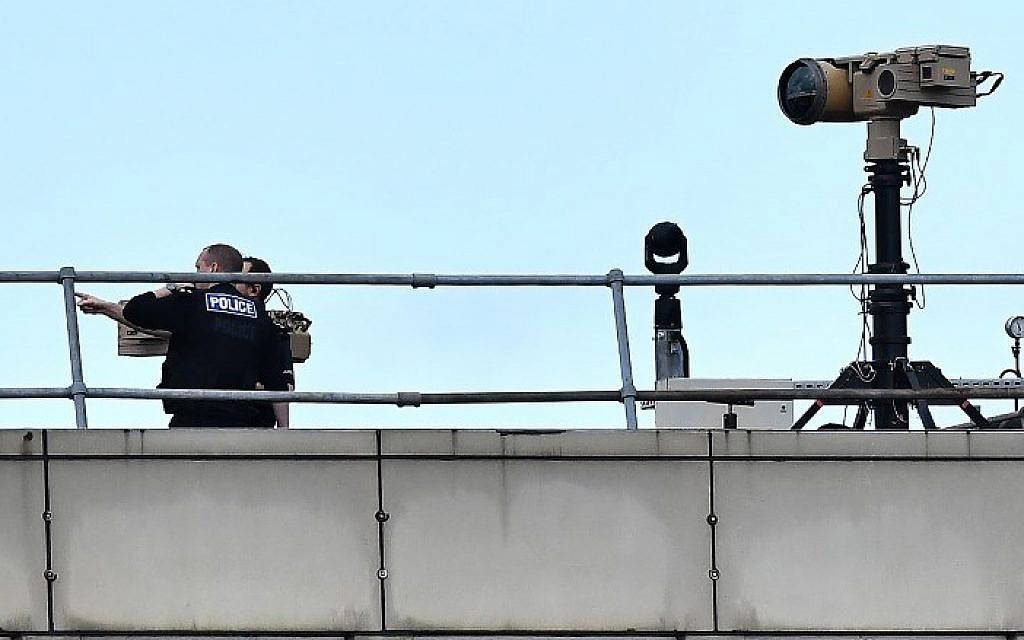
215	545
540	545
22	546
870	545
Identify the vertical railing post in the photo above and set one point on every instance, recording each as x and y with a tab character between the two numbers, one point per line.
67	280
628	391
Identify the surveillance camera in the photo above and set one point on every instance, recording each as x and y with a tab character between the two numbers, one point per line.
878	85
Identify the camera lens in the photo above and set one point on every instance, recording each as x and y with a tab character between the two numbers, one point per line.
803	91
886	83
800	92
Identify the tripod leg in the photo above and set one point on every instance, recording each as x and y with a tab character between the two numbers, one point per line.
926	415
973	413
862	417
806	417
922	405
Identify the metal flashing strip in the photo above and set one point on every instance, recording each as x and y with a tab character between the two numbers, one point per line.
48	574
214	444
713	573
381	516
485	634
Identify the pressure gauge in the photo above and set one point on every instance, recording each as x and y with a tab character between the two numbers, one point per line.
1015	327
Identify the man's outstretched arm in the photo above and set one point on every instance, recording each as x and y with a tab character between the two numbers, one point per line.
91	305
163	309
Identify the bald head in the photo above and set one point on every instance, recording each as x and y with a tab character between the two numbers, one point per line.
220	258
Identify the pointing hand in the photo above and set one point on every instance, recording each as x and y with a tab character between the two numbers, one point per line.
92	305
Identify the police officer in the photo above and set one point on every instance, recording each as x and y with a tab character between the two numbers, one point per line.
220	339
268	415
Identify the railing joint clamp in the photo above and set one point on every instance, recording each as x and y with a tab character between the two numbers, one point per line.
627	392
66	273
424	280
615	275
409	399
78	389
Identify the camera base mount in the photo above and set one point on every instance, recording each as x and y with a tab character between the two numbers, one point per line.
906	374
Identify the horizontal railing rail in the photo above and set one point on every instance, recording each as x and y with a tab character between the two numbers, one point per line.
717	395
430	280
615	280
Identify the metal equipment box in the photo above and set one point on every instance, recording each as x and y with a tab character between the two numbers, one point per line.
132	342
764	414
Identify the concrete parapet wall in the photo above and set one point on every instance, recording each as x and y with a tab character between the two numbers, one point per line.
602	532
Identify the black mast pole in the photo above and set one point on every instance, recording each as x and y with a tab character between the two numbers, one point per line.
888	304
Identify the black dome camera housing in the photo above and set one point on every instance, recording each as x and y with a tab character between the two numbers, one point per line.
665	240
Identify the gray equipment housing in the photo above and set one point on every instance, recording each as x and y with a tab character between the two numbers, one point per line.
878	85
898	83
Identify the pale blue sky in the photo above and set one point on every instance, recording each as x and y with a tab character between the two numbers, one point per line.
482	137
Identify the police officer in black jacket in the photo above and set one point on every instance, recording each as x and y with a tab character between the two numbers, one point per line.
276	414
220	339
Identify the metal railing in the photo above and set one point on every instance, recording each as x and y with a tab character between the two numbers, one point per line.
615	280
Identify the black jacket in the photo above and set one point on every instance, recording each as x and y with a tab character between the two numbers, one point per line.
219	340
265	416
